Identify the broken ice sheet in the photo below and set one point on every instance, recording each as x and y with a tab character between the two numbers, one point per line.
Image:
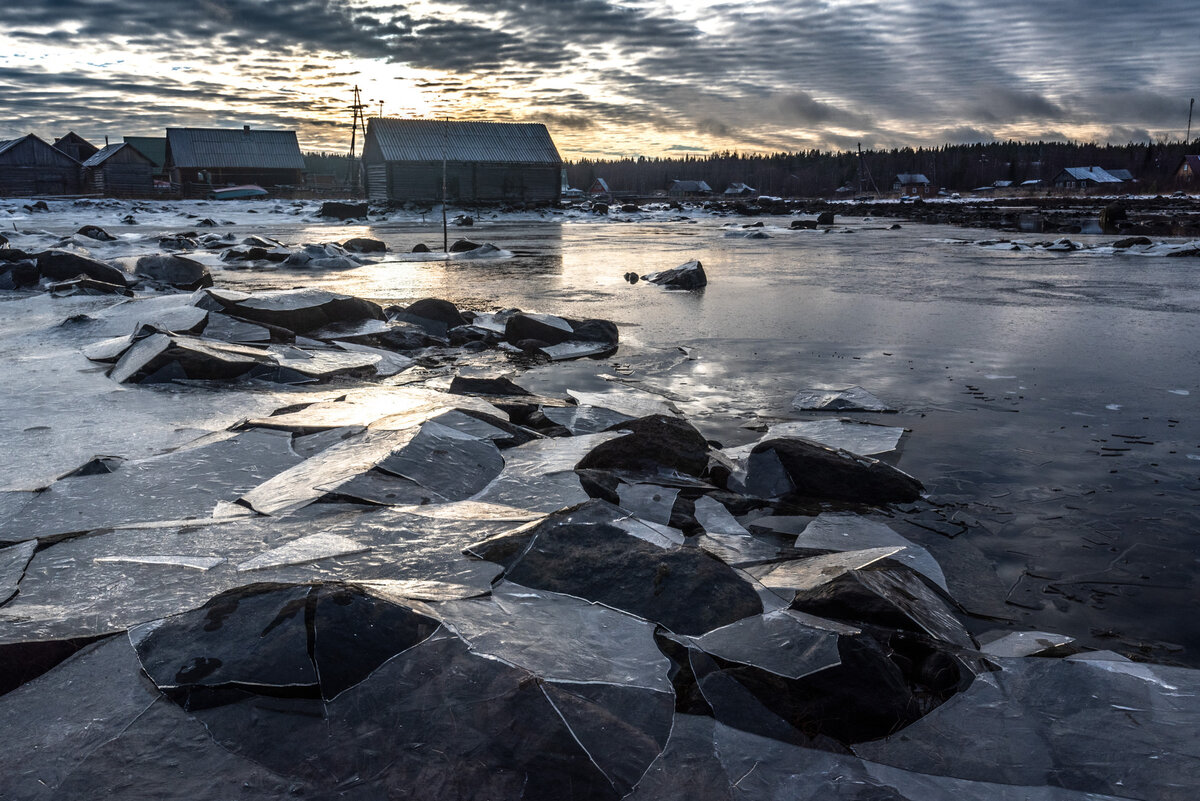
13	561
823	398
312	548
389	363
453	464
648	501
183	484
323	363
1068	723
626	400
726	539
560	637
176	560
655	533
378	407
845	531
584	419
540	475
787	643
865	439
1021	643
576	350
798	575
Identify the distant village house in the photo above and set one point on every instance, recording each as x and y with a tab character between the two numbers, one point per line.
29	166
599	188
155	149
119	170
739	190
485	162
681	189
1189	168
198	159
911	183
75	146
1084	178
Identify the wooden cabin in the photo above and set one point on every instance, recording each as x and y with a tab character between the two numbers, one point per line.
1189	169
119	170
201	159
911	183
76	146
29	166
485	162
155	149
1085	178
682	189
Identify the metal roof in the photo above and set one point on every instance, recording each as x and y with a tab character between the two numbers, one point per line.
1094	174
433	140
103	154
909	178
689	186
152	147
234	148
7	143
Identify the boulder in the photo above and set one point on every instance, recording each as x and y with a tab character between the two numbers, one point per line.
825	218
363	244
298	310
420	247
19	274
689	275
177	271
464	245
543	329
63	265
342	211
1122	244
604	331
810	470
652	442
442	311
1110	215
499	385
97	233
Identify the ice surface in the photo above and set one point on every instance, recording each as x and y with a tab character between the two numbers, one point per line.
781	642
625	400
312	548
648	501
843	531
584	419
576	350
1022	643
177	560
864	439
449	462
540	475
838	399
13	561
800	575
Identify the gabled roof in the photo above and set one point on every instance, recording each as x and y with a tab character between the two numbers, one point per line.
1002	184
1093	174
152	147
599	182
1124	175
909	178
454	140
738	188
690	186
105	153
7	145
1192	161
234	148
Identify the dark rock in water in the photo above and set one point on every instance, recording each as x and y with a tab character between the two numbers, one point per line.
38	206
179	242
600	208
61	265
684	589
632	277
465	221
3	241
545	329
894	227
177	271
19	274
802	224
97	233
825	218
129	219
653	442
14	254
815	471
363	244
206	223
420	247
689	275
342	211
596	331
87	286
630	208
462	385
298	310
758	224
464	246
442	311
1132	241
1110	215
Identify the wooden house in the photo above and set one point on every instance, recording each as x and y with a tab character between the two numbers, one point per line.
689	189
200	159
1084	178
1189	169
29	166
484	162
155	149
911	183
738	189
119	170
75	146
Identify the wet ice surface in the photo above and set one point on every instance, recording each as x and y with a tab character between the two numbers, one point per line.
428	626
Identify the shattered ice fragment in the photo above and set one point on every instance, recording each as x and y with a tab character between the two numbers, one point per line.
1022	643
783	642
864	439
312	548
176	560
805	574
839	531
13	561
831	399
648	501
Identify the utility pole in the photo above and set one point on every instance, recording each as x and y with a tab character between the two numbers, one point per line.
1188	140
445	145
357	108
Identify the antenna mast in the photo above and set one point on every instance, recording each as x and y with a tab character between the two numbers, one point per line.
864	173
357	108
1188	140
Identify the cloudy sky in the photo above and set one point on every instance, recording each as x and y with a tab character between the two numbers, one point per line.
611	77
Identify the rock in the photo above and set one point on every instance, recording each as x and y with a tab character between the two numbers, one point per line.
689	275
464	245
363	244
600	208
465	220
630	208
632	277
462	385
63	265
815	471
825	218
207	223
604	331
87	286
97	233
1132	241
1110	215
797	225
342	211
3	241
653	442
420	247
19	274
177	271
298	310
15	254
164	357
442	311
537	330
38	206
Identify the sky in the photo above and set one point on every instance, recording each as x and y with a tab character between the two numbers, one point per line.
611	78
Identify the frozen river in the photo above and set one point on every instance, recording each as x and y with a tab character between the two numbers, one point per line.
1051	397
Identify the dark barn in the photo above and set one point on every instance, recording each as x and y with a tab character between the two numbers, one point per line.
153	148
486	162
29	166
201	158
75	146
119	170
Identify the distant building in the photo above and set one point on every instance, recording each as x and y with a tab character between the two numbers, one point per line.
911	183
153	148
1002	184
565	188
199	158
485	162
599	187
75	146
29	166
1084	178
1189	168
1032	183
119	170
1125	176
739	190
689	189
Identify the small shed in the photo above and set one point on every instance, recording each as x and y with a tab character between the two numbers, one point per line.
153	148
599	187
119	170
739	190
911	183
688	189
29	166
198	159
1084	178
483	162
75	146
1189	168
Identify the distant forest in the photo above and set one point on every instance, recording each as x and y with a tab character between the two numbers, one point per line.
955	168
815	173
